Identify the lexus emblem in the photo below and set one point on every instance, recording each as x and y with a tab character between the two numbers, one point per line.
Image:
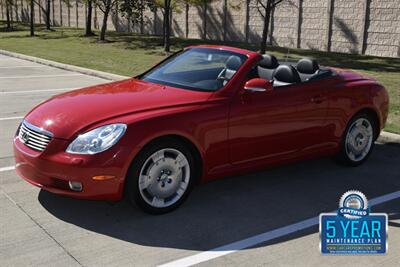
25	137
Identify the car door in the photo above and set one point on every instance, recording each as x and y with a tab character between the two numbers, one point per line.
276	124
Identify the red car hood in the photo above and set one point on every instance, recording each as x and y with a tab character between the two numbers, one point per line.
66	114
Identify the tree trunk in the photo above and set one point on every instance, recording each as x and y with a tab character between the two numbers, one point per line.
47	13
89	19
105	18
247	20
267	16
167	25
32	19
8	15
187	21
225	20
141	17
205	20
163	30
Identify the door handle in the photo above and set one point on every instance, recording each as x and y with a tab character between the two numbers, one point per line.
318	99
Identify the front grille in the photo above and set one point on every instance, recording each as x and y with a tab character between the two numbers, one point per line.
34	137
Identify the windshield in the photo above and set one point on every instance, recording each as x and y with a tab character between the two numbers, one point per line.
201	69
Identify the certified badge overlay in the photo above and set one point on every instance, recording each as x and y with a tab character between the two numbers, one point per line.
353	229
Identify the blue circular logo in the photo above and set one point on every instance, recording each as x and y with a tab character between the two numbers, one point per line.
353	205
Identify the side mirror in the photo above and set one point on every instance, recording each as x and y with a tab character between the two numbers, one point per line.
258	85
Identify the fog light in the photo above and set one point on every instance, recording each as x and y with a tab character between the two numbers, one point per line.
75	186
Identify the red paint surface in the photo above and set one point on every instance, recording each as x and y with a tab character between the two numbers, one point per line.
234	131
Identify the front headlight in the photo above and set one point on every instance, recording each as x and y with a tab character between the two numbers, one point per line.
97	140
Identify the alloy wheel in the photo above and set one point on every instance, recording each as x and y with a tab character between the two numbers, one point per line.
164	178
359	139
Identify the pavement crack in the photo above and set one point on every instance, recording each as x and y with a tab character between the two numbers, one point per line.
41	227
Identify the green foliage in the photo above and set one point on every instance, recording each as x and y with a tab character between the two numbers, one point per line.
133	9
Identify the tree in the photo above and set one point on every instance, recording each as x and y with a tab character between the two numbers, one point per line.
105	6
167	25
166	7
133	10
8	14
32	18
268	6
88	26
46	11
203	4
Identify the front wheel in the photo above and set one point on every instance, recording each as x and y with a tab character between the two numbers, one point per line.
358	140
161	177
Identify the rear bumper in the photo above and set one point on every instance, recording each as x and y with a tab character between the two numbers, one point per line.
53	169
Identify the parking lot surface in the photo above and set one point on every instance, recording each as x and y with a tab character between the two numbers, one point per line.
279	206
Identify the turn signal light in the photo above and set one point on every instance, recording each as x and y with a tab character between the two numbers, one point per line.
103	177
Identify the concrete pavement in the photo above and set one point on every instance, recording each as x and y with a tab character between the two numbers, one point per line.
40	228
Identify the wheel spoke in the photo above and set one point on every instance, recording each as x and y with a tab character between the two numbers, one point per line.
181	189
351	155
181	161
158	155
144	181
359	123
352	135
368	131
350	140
157	202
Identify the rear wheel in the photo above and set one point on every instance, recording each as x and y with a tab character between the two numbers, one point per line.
358	140
161	177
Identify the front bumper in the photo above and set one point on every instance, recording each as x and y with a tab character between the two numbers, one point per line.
53	169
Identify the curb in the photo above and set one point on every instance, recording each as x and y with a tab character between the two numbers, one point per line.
90	72
387	137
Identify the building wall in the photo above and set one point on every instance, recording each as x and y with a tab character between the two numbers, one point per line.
235	24
347	26
284	24
383	28
350	26
178	21
314	24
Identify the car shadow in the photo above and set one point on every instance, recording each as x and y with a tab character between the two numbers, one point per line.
238	207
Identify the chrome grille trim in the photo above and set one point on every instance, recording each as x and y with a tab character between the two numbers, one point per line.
34	137
38	136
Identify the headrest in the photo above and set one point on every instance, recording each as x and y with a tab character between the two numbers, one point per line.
287	74
268	62
233	63
307	65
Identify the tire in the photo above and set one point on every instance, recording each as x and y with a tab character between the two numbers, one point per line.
161	177
358	140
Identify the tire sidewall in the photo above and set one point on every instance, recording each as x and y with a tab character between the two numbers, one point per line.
132	180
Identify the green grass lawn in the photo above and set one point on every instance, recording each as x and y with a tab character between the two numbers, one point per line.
131	54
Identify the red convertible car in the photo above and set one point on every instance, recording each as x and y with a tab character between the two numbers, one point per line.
201	114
